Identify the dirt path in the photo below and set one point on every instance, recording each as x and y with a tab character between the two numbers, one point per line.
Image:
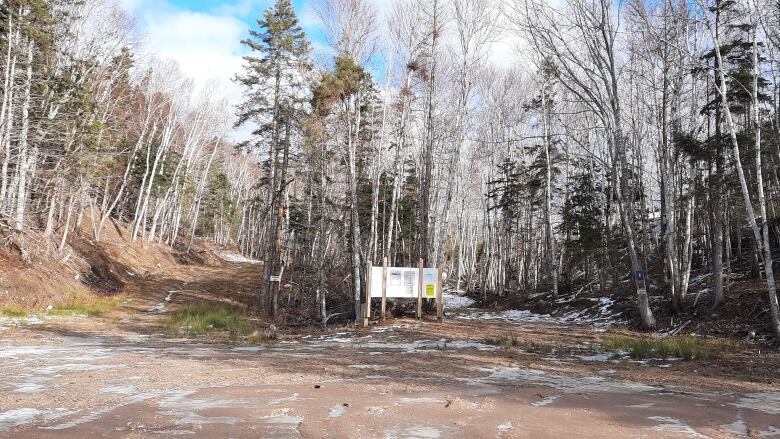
121	377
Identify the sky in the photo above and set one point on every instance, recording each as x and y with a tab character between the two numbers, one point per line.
204	36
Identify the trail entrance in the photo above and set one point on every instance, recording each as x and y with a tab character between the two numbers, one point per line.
404	283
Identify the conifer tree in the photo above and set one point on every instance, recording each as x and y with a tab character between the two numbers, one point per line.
275	91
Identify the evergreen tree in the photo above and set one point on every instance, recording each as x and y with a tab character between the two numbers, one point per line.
274	79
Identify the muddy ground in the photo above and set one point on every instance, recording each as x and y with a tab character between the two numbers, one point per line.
122	375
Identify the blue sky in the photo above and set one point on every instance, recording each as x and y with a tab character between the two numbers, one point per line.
204	36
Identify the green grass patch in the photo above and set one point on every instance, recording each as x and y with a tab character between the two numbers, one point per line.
504	341
12	311
683	347
204	318
79	304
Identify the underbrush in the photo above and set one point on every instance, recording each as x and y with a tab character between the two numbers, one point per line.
203	318
683	347
85	304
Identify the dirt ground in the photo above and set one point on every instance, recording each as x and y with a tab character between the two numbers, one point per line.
122	375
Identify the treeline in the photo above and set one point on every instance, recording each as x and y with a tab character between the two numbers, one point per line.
627	145
90	133
622	146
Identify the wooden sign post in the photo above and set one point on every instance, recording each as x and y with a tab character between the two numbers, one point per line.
367	309
420	289
440	296
384	290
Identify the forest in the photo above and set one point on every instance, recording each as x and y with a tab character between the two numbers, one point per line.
618	148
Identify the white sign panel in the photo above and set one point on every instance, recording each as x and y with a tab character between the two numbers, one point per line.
403	282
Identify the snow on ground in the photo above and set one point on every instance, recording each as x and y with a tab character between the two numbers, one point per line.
454	301
229	256
599	315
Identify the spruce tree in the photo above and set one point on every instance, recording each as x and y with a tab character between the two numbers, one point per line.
274	75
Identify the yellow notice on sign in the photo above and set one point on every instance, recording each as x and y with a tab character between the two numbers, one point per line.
430	290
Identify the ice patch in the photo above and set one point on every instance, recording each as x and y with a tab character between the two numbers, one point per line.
336	411
772	432
500	375
546	401
768	402
119	390
641	406
17	417
413	347
597	357
414	433
737	428
672	425
77	368
420	400
284	420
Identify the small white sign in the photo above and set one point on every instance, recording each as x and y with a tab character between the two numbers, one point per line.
276	278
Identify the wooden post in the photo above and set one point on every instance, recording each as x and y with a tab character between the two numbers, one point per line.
384	290
419	289
367	311
440	296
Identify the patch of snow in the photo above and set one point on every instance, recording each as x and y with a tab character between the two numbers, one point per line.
737	428
597	357
17	417
336	411
503	428
420	400
283	419
673	425
191	418
500	375
546	401
772	432
119	390
767	402
77	368
646	405
229	256
422	433
452	300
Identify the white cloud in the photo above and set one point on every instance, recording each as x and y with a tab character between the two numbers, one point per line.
206	45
